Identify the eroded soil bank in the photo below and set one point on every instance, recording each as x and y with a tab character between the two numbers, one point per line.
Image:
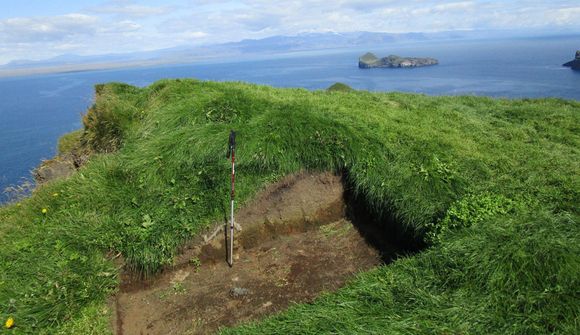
295	243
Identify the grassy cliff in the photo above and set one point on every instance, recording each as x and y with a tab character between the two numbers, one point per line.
491	185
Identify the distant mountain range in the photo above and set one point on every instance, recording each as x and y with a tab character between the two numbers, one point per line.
245	49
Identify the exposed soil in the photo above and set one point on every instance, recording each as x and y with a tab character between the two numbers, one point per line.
56	168
61	166
295	243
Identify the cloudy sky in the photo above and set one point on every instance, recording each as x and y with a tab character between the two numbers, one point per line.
37	29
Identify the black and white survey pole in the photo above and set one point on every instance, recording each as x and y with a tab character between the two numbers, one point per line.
232	154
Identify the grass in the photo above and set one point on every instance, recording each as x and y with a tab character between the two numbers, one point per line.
69	142
339	87
491	184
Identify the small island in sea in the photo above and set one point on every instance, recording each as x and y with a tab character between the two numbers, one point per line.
370	60
574	64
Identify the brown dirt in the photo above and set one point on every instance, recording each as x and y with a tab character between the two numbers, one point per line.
295	243
60	167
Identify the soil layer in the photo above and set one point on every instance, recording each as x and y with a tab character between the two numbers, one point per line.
295	244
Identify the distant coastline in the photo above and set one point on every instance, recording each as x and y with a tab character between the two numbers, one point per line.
247	50
76	68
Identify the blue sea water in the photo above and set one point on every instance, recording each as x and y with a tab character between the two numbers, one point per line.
36	110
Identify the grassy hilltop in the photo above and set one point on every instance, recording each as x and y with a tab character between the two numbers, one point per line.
490	185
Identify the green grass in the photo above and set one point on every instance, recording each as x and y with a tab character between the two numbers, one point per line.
491	184
339	87
69	142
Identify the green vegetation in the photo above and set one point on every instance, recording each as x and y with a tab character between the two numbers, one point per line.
511	275
109	120
492	184
69	142
369	58
93	320
339	87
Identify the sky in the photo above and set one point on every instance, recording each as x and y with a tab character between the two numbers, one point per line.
40	29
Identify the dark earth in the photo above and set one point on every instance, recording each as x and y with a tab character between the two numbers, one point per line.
295	243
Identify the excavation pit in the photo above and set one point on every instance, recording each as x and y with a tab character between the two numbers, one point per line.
297	241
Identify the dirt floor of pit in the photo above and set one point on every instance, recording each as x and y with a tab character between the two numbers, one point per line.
295	243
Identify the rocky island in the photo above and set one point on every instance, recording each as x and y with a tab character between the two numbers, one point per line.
369	60
575	64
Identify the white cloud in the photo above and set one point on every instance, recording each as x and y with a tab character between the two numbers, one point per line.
564	16
66	47
453	6
194	34
129	9
43	29
126	25
236	20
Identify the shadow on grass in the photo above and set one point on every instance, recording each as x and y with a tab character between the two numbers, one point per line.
381	231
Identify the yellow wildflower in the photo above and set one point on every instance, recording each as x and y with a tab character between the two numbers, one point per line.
55	194
44	211
9	323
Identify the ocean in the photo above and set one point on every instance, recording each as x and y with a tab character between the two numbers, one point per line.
36	110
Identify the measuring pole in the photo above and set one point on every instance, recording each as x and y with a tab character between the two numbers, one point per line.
232	153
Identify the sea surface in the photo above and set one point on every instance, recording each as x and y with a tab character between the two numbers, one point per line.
36	110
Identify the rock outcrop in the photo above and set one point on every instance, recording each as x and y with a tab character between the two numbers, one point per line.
575	64
369	60
56	168
70	157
